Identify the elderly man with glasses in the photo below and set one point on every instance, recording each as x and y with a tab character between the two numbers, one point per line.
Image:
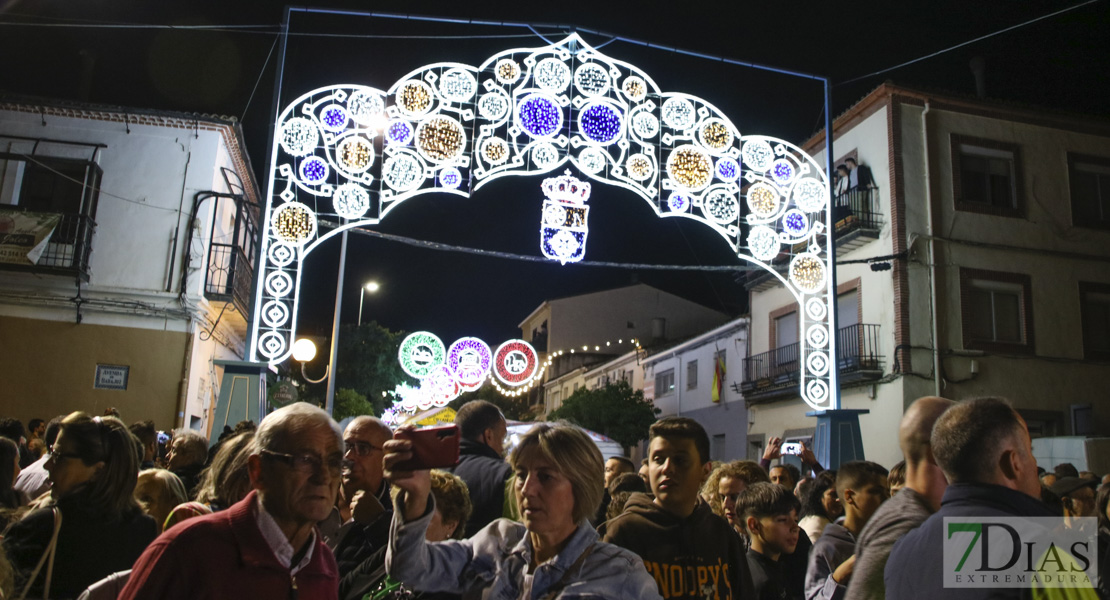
266	546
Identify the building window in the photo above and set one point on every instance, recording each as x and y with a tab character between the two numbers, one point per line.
786	330
1094	302
986	176
692	375
1089	182
997	310
717	447
664	382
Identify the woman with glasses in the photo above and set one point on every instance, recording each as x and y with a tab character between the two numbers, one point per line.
93	466
554	553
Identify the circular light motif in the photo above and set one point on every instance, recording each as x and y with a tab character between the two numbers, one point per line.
457	85
782	171
440	139
507	71
495	151
716	135
645	124
815	308
275	313
420	353
314	170
591	79
601	123
640	167
299	136
690	167
678	202
763	200
758	155
807	272
334	117
414	98
721	207
678	113
469	360
350	201
493	106
818	363
450	178
809	195
539	115
355	154
817	391
271	344
554	215
592	160
515	362
728	169
552	74
817	336
544	155
293	223
795	222
279	284
399	132
365	107
402	172
634	88
763	243
565	244
281	254
438	388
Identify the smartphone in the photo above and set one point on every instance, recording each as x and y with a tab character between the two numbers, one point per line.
432	448
791	448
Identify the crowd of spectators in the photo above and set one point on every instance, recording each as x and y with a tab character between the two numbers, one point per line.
298	507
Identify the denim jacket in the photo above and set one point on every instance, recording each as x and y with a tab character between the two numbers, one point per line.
491	564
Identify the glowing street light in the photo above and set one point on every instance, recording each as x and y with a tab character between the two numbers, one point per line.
304	350
372	287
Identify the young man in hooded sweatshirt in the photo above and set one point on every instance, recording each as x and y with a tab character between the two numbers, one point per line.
691	552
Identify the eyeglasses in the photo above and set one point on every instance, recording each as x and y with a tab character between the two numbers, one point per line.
307	463
360	448
57	454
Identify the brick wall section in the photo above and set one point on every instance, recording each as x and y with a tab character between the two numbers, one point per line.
1026	283
900	273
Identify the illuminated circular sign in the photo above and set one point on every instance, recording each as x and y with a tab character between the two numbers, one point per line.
420	353
515	362
469	360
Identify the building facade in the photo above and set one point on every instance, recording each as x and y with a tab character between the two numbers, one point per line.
129	271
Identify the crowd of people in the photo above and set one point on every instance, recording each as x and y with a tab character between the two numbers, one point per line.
297	507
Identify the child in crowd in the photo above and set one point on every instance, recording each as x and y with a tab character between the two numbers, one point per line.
897	477
769	513
861	487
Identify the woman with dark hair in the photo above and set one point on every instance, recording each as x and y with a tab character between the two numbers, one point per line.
9	470
820	506
93	469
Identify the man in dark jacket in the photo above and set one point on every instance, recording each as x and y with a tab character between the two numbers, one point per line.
691	552
481	463
984	449
359	526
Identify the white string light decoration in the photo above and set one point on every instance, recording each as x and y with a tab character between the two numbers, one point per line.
360	151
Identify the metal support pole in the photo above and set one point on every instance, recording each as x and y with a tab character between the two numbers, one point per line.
834	334
361	297
329	402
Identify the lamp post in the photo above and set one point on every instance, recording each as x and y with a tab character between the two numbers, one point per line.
304	351
372	287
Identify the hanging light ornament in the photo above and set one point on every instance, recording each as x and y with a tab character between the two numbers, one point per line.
592	160
758	155
399	133
645	124
591	79
365	107
795	222
350	201
334	118
294	223
716	135
690	167
807	272
539	115
314	170
355	154
450	178
678	113
440	139
782	171
414	98
469	360
457	85
563	228
299	136
552	75
507	71
728	169
544	155
493	106
810	195
421	352
515	362
640	167
402	172
763	201
635	88
763	243
678	202
601	123
721	207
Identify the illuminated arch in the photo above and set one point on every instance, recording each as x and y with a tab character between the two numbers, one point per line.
357	152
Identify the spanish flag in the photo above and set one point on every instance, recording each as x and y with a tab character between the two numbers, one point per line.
718	378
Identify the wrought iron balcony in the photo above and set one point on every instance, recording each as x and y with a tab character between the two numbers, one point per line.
67	251
230	274
856	218
774	374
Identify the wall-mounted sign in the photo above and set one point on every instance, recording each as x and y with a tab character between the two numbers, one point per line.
111	377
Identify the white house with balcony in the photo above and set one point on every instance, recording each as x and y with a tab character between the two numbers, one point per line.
992	222
127	259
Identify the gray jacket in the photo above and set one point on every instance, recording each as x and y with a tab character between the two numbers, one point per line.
834	546
904	512
493	561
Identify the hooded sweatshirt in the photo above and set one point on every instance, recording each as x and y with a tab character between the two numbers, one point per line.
699	557
835	546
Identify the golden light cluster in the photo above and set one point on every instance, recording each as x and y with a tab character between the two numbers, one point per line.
640	167
495	151
507	71
414	98
716	135
807	272
634	87
690	167
355	154
294	222
762	200
440	139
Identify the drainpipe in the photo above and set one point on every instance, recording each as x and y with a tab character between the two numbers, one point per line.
932	250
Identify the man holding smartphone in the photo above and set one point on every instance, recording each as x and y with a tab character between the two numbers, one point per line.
481	461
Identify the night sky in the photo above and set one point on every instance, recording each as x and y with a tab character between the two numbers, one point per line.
1060	63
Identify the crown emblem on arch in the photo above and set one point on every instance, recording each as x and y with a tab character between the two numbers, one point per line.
566	188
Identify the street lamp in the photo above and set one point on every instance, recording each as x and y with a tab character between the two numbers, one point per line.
372	287
304	351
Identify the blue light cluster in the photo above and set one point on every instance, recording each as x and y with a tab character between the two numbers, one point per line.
782	171
728	169
678	202
540	116
795	222
314	170
399	132
601	123
334	118
450	178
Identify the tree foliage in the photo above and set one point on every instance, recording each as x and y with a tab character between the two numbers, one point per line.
615	410
514	409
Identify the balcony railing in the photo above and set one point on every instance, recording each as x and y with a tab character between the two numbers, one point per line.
856	210
775	373
230	274
67	252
